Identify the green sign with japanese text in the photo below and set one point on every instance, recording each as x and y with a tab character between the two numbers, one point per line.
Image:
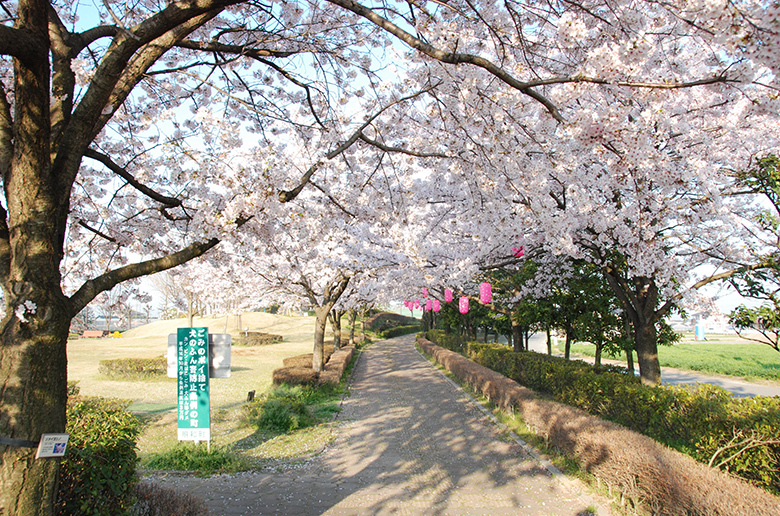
192	350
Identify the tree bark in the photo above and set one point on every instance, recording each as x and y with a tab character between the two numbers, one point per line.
335	323
640	301
549	342
318	360
352	320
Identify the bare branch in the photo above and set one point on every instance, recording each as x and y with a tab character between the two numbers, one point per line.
98	233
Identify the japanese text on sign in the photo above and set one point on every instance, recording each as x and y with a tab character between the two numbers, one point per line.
193	384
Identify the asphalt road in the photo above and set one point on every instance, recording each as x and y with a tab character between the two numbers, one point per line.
672	376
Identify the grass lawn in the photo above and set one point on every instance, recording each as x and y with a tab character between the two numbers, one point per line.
155	400
719	354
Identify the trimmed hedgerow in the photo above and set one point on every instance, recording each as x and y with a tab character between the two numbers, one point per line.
738	435
648	474
98	471
397	331
256	338
134	367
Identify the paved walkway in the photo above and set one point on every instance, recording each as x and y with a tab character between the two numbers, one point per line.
409	443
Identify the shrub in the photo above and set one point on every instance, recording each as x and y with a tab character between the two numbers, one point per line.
449	341
134	368
287	408
155	500
256	338
702	421
98	471
397	331
385	320
294	376
196	457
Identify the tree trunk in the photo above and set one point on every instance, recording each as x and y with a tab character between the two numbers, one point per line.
517	336
318	360
646	343
33	373
549	342
640	300
352	320
335	322
363	326
567	344
597	360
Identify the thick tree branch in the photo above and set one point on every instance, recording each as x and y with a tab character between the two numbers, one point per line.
109	280
21	44
5	246
6	134
526	88
169	202
243	50
122	66
400	150
449	57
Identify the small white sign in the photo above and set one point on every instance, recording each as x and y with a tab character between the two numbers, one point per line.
52	445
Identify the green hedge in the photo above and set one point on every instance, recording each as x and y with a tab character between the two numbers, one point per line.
98	471
698	420
399	330
134	367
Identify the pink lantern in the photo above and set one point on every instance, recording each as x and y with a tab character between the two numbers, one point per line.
428	305
447	295
425	291
436	305
485	293
518	251
417	303
463	305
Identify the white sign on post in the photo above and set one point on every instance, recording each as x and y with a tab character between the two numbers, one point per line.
52	445
219	355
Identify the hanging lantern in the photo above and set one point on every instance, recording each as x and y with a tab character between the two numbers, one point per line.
447	295
417	303
436	305
485	293
463	305
518	251
425	291
428	305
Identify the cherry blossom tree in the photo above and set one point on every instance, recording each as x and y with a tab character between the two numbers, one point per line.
143	141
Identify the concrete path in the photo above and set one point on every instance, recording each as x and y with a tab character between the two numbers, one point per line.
410	443
671	376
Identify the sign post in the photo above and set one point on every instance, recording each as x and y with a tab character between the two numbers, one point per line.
192	351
